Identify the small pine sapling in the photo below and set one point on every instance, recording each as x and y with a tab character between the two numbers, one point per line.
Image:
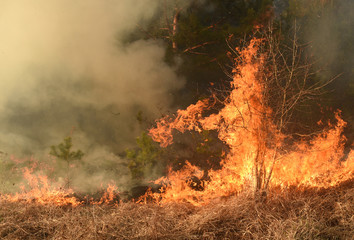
64	153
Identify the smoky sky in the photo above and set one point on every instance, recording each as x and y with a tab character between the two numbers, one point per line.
65	69
331	38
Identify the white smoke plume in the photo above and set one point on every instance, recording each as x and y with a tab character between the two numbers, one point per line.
64	65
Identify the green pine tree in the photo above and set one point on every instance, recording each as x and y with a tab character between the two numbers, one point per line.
64	153
144	158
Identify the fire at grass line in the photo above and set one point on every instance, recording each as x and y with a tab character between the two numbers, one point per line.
260	157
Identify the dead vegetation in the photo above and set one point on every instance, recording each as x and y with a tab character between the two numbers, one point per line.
290	214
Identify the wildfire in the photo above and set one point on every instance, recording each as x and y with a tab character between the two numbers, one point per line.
42	191
258	156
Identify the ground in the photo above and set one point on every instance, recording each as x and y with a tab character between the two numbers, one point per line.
285	214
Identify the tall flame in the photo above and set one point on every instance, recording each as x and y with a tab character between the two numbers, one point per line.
258	156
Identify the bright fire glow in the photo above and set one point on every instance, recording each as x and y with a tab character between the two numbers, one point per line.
258	157
42	191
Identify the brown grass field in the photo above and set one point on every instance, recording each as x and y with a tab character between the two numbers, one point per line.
290	214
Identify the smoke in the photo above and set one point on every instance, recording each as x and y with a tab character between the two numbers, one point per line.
326	29
65	69
330	34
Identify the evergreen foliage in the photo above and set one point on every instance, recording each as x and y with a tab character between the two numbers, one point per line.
144	158
64	153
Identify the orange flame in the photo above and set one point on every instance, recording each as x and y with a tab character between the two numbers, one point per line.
186	120
108	196
41	192
257	156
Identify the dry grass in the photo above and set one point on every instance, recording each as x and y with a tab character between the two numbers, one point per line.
310	214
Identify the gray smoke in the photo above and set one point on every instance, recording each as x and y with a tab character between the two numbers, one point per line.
326	28
330	33
66	70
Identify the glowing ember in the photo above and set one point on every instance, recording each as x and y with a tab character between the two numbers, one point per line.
258	156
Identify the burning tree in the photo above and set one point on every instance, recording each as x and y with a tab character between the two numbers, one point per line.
267	86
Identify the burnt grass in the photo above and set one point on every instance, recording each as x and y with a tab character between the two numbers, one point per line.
286	214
